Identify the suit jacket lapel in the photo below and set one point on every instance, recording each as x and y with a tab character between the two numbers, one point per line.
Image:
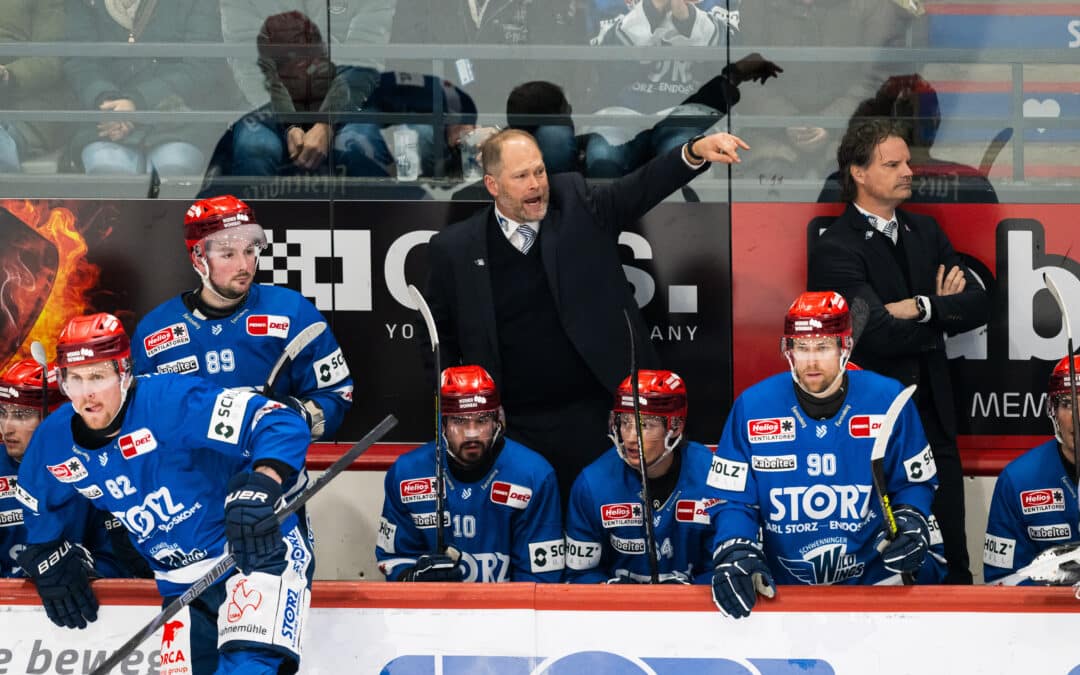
883	266
478	279
549	251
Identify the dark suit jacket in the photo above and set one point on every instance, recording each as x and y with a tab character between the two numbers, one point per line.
845	259
578	246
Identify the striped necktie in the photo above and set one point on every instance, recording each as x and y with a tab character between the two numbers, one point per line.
528	236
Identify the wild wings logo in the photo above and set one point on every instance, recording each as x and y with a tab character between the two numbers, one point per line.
825	562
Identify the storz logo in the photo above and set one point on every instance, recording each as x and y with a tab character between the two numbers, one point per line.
292	607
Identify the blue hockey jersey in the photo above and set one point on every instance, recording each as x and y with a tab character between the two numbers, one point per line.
241	349
605	531
164	474
83	524
807	484
1033	508
507	525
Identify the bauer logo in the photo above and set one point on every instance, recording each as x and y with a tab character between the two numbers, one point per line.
417	490
774	462
865	426
1055	532
772	430
515	496
70	471
166	338
1042	501
268	325
618	515
138	442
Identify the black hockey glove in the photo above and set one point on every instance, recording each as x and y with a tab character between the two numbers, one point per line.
741	573
61	572
905	554
251	525
435	567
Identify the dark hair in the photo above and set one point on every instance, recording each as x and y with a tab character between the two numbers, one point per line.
537	98
491	150
857	148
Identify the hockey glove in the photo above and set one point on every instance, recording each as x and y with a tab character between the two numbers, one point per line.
905	554
251	525
61	573
620	580
436	567
741	573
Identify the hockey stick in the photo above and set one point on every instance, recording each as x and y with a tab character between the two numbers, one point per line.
225	564
295	346
877	467
646	498
37	350
1052	287
440	457
1056	566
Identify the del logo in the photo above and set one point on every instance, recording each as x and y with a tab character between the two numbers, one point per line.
166	338
137	443
515	496
771	430
692	511
7	486
617	515
865	426
270	325
70	471
1041	501
417	490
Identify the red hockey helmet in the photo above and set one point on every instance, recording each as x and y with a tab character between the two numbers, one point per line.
1059	379
21	385
93	338
207	217
660	392
818	314
468	389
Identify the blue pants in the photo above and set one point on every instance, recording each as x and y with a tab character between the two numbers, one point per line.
260	149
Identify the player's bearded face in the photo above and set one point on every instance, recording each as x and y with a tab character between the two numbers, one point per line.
470	436
816	362
17	424
232	263
654	429
94	390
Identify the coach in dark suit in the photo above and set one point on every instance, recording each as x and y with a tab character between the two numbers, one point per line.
532	289
917	289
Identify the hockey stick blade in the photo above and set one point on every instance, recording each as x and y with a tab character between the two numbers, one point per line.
877	465
440	457
295	346
1056	566
225	564
1052	287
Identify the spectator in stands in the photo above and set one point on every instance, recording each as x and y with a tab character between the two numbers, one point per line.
815	88
913	103
30	82
547	320
1034	504
631	88
918	289
502	519
115	145
488	80
293	74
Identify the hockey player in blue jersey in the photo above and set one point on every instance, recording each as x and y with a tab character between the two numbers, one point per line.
605	533
189	468
502	513
231	330
1034	505
793	463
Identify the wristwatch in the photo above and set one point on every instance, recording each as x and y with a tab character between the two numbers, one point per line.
922	303
690	148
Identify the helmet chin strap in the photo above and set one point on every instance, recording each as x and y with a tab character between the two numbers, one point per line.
671	440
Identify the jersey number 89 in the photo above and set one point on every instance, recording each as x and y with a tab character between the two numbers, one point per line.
220	361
